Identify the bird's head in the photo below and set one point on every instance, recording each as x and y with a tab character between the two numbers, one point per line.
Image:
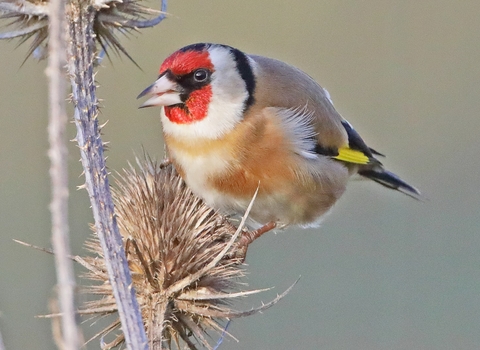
204	90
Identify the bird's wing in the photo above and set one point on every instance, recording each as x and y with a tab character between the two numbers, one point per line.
356	151
283	86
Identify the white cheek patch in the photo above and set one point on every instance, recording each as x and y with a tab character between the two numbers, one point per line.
225	109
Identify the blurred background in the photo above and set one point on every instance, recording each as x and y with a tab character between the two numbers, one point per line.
384	271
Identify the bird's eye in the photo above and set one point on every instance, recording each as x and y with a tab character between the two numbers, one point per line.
200	75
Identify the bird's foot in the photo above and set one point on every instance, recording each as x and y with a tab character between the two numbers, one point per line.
249	236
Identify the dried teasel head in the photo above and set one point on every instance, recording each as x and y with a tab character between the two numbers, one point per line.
29	19
184	260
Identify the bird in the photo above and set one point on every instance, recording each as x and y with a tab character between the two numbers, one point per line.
236	124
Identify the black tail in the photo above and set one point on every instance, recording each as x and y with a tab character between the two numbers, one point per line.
390	180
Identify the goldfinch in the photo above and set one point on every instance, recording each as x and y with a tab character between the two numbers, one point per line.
234	122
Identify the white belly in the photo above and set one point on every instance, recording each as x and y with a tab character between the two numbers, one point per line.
197	171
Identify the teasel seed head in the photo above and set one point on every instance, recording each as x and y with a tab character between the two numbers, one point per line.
184	259
29	19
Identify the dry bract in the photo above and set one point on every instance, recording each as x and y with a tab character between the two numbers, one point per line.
183	256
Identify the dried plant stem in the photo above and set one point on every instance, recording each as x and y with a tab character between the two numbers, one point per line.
81	47
59	175
2	346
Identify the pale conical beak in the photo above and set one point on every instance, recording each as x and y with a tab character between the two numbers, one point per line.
164	92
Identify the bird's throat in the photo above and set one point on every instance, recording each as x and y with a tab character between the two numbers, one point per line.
194	109
179	114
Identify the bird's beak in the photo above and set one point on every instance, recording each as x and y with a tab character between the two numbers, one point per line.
164	92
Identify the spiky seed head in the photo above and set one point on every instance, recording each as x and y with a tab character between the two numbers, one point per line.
30	20
184	276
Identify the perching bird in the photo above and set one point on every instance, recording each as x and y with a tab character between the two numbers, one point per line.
234	122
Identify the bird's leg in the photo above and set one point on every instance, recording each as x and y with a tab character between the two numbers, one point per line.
249	236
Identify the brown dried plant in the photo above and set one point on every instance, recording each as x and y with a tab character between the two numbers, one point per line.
186	262
29	19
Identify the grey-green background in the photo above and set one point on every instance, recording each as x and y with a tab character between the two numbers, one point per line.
384	271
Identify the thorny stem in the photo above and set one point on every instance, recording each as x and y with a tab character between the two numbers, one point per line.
2	346
158	324
80	66
59	175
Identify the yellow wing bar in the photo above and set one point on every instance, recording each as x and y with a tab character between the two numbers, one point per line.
349	155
